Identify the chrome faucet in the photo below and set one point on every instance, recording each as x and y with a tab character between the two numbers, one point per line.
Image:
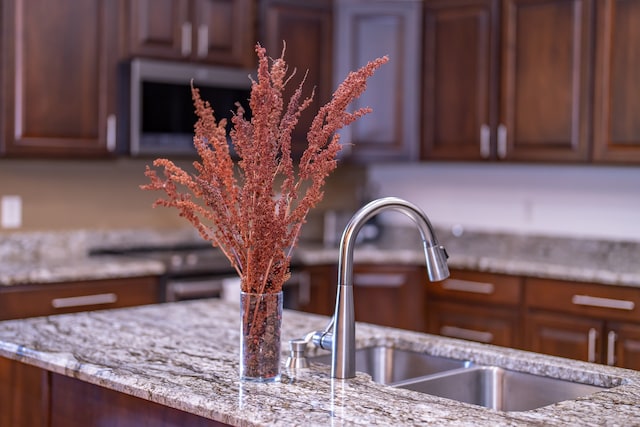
339	335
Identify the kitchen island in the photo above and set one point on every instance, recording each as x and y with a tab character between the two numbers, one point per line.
185	356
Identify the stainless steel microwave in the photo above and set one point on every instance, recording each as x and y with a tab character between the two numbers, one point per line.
155	100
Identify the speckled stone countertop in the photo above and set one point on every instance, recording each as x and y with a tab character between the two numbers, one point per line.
185	355
53	257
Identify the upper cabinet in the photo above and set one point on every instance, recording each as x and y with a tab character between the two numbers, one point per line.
365	30
460	84
616	134
507	80
208	31
58	77
304	29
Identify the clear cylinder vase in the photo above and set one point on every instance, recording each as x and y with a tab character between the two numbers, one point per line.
260	325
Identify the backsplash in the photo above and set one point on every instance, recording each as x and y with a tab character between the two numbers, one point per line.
556	200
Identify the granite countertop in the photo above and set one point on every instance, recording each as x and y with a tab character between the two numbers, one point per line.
185	355
27	258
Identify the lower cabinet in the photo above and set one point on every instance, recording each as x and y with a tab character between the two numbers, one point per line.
481	307
390	295
585	321
20	301
32	396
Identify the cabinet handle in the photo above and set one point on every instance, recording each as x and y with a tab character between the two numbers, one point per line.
590	301
591	345
468	286
502	142
83	300
186	39
379	280
611	348
203	41
466	334
485	139
111	133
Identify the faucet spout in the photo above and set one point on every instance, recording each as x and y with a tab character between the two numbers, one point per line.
339	335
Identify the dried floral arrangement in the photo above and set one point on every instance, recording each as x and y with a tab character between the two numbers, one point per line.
253	224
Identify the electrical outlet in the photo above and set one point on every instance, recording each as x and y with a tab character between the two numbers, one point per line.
11	212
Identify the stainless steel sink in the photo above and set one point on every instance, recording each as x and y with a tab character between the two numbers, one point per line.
499	389
388	365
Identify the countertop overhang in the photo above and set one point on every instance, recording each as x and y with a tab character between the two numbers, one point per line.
185	355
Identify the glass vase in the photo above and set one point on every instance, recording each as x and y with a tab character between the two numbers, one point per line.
260	325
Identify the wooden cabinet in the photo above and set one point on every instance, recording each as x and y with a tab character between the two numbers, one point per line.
460	79
616	135
476	306
307	29
33	397
543	93
58	83
390	295
596	323
209	31
365	30
314	290
20	301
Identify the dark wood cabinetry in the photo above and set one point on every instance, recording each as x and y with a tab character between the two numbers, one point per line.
34	397
58	77
56	298
529	60
390	295
616	135
307	29
596	323
208	31
475	306
460	78
366	30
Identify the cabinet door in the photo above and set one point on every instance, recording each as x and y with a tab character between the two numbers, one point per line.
223	32
623	345
364	31
306	28
460	79
160	28
489	325
313	291
546	75
390	295
617	87
565	336
59	62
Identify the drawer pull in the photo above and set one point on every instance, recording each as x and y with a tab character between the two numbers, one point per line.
467	334
611	348
80	301
468	286
379	280
591	345
602	302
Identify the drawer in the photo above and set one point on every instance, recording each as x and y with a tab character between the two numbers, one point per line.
589	299
478	287
56	298
489	325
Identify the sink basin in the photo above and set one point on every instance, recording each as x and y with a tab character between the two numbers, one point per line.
499	389
388	365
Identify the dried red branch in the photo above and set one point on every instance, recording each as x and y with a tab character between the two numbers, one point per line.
240	211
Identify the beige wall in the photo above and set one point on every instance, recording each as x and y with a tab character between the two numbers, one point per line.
73	194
